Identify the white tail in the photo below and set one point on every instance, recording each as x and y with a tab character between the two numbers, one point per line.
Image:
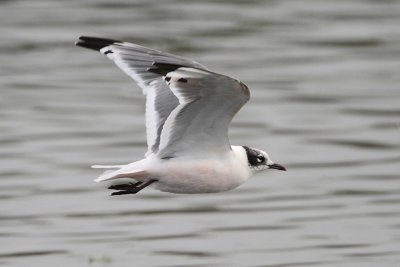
107	166
110	175
134	170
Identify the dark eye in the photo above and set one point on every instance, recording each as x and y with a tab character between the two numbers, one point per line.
260	159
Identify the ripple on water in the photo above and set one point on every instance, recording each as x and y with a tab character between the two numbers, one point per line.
32	253
324	79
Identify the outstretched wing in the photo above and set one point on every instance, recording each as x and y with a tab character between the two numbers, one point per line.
136	61
207	103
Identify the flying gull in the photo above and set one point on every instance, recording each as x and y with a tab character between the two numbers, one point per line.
188	112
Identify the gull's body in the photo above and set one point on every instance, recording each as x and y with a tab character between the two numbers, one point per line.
188	113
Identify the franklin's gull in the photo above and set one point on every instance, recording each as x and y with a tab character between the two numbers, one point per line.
188	112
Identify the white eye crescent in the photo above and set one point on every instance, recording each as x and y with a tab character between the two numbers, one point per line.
260	159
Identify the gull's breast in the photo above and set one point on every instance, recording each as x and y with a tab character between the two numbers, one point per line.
190	176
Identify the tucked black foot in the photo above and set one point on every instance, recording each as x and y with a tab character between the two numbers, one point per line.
126	187
130	188
125	192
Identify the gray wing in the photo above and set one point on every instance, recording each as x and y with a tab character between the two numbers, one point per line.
139	62
207	103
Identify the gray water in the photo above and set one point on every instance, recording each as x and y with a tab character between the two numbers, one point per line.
325	78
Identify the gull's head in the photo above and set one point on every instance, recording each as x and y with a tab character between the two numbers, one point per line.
259	160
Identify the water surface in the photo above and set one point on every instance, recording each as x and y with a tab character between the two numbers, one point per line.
325	103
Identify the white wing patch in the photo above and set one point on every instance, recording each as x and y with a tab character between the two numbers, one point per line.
152	119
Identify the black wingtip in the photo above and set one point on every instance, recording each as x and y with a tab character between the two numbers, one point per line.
163	68
94	43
